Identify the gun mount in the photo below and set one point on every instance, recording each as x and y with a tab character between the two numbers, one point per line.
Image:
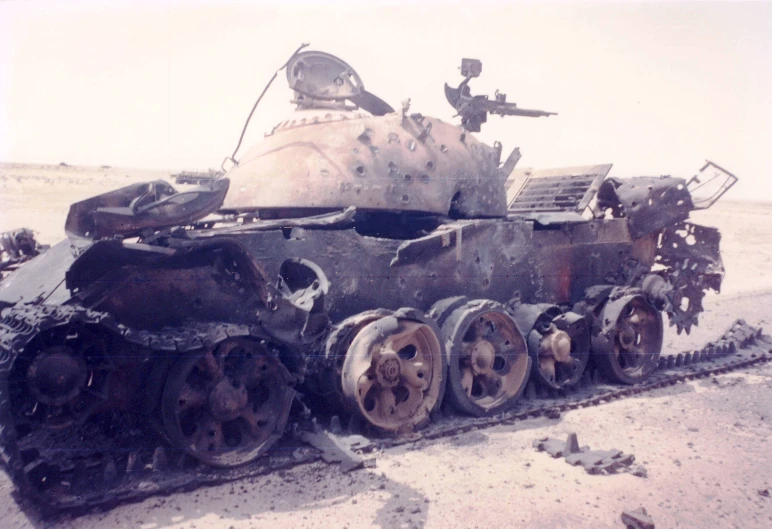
474	110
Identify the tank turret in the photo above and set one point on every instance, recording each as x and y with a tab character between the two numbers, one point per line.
345	147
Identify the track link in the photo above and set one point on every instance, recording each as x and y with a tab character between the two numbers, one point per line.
740	347
117	475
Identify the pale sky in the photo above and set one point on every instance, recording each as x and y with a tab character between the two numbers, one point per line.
654	88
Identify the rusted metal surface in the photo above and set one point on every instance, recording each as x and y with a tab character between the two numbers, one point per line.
227	404
362	262
328	155
648	204
488	363
628	337
692	265
86	477
558	342
394	371
131	209
335	159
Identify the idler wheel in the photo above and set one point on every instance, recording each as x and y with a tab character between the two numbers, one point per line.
226	406
394	371
558	342
488	361
57	375
628	340
63	380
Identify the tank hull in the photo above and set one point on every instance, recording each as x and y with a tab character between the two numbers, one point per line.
490	259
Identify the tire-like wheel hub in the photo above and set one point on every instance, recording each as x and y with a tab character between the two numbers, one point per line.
487	358
489	353
638	336
627	347
558	342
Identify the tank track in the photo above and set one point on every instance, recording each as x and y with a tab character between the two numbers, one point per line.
131	465
18	327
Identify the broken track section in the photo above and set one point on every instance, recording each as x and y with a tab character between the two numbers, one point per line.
593	461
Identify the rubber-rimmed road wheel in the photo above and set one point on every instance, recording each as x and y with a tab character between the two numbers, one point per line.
336	347
488	362
558	342
629	340
394	371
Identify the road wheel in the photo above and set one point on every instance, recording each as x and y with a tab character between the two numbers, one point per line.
227	405
629	339
488	363
394	371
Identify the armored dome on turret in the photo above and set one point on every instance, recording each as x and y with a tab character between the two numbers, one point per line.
331	154
335	159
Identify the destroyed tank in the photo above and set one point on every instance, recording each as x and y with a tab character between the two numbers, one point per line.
358	262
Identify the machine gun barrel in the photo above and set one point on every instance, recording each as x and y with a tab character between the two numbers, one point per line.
511	109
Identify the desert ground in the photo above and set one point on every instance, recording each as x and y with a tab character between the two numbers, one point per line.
704	444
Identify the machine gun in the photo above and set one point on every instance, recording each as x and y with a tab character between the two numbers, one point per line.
474	110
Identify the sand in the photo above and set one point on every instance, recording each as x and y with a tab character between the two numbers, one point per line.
704	444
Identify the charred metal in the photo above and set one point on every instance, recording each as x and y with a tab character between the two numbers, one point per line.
648	204
357	263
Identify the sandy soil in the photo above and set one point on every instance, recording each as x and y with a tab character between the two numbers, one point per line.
704	444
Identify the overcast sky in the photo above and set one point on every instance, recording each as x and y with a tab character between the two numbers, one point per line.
655	88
